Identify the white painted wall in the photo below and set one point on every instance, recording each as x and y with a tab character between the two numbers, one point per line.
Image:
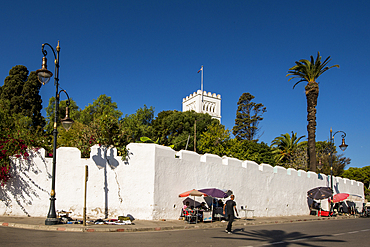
147	184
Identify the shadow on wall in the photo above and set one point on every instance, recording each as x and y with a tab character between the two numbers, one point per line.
103	158
335	184
21	188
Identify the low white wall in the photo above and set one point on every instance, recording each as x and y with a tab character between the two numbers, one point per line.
147	183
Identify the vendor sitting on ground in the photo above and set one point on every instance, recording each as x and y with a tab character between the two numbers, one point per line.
186	206
315	205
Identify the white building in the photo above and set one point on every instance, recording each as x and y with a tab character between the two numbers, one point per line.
207	103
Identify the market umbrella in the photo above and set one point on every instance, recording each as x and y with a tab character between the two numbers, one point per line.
339	197
193	192
214	192
320	193
354	198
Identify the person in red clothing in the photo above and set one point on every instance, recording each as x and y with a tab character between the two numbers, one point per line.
230	206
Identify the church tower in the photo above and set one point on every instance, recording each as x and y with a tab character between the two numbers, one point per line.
207	103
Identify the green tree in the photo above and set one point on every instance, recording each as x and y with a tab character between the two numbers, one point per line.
359	174
137	125
215	140
174	128
102	106
251	150
309	71
74	112
101	119
16	138
285	148
21	120
21	89
323	156
98	123
298	158
248	117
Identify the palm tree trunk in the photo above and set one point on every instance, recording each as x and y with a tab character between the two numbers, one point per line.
312	93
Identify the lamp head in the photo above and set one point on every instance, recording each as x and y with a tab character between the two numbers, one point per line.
343	146
67	122
44	74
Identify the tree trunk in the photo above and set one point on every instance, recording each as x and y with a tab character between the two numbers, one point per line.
312	93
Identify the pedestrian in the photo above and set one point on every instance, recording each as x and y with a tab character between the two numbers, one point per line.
230	206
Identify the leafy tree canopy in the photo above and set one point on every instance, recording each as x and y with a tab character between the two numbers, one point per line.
21	120
339	162
16	138
248	117
137	125
175	128
285	147
309	70
21	90
215	140
358	174
102	106
74	112
251	150
98	123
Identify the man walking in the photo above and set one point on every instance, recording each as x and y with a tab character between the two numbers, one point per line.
230	206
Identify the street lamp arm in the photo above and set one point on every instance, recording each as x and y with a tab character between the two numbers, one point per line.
342	146
67	121
66	95
339	131
45	52
44	74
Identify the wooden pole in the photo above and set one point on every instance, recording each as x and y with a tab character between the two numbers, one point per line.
85	194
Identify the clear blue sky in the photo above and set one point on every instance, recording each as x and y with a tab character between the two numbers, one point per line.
149	52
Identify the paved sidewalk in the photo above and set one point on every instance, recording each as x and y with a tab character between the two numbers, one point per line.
36	223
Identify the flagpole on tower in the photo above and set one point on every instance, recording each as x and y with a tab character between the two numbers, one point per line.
201	85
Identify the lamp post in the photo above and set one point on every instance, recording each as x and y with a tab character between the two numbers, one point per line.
44	76
342	147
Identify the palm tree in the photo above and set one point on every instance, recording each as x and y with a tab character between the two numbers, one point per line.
285	146
309	71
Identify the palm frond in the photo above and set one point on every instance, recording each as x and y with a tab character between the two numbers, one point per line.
309	71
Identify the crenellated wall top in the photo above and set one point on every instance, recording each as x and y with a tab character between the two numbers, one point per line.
205	93
187	157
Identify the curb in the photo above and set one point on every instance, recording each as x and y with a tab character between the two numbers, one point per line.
164	228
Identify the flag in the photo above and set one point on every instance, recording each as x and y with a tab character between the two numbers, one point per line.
200	69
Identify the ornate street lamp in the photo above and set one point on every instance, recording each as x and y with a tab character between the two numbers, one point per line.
44	76
342	147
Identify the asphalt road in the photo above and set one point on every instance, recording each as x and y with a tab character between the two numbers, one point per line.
350	232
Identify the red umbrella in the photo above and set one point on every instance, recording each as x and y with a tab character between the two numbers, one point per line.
193	192
339	197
